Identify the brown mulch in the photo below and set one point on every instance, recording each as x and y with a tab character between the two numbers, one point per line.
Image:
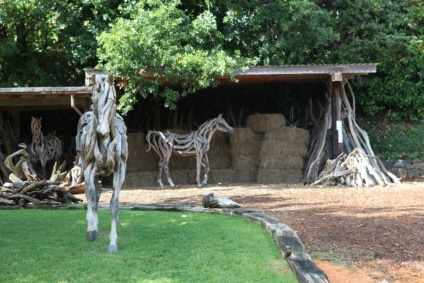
358	234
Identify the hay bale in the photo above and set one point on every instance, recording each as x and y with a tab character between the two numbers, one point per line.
274	176
290	135
219	152
245	149
222	176
265	122
242	135
246	175
245	162
281	162
287	149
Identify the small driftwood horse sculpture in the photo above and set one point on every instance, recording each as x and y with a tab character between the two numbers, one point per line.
43	148
195	143
102	146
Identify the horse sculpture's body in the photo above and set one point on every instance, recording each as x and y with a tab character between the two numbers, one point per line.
102	146
43	148
195	143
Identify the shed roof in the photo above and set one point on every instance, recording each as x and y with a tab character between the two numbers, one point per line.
20	96
299	73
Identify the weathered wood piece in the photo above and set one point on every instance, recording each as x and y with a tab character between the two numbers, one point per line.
22	169
195	143
102	148
210	201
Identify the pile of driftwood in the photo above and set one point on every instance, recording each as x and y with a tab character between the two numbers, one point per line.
352	170
359	168
27	186
39	193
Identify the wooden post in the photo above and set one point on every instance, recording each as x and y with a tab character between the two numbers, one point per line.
336	130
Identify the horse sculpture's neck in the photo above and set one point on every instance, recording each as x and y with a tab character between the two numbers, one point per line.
37	134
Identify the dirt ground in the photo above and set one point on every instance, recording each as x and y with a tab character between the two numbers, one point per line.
358	234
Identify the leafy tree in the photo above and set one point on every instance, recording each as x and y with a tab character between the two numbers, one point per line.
191	43
49	42
389	33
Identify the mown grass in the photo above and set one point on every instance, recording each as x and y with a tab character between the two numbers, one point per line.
50	246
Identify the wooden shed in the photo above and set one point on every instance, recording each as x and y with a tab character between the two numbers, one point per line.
70	101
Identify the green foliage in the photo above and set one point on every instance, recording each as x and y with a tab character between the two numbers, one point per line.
185	51
49	42
390	33
396	140
154	247
279	32
189	43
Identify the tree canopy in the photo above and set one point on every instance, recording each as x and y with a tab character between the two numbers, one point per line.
189	43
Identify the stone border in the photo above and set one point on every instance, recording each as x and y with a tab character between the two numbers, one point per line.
287	240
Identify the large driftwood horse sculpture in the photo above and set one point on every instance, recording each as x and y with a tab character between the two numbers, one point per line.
195	143
102	146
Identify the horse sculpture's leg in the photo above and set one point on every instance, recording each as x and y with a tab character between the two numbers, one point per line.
206	164
118	180
168	176
92	192
199	157
161	165
164	164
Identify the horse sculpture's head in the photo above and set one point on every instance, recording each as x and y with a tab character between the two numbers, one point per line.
104	103
222	125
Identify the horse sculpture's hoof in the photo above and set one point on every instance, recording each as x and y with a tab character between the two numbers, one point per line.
112	248
92	235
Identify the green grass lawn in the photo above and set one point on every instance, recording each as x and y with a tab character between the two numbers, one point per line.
50	246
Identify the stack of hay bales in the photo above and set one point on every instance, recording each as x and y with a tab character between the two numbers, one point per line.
244	151
139	161
219	151
282	150
220	159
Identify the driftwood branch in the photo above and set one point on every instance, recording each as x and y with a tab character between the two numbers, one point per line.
357	166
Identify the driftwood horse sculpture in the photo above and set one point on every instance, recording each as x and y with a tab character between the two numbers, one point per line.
102	146
43	148
195	143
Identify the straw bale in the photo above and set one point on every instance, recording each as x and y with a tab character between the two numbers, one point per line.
222	176
265	122
245	162
273	176
290	134
246	176
242	135
281	162
251	148
219	161
287	149
220	139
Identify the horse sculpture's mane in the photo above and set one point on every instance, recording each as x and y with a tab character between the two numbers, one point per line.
103	150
